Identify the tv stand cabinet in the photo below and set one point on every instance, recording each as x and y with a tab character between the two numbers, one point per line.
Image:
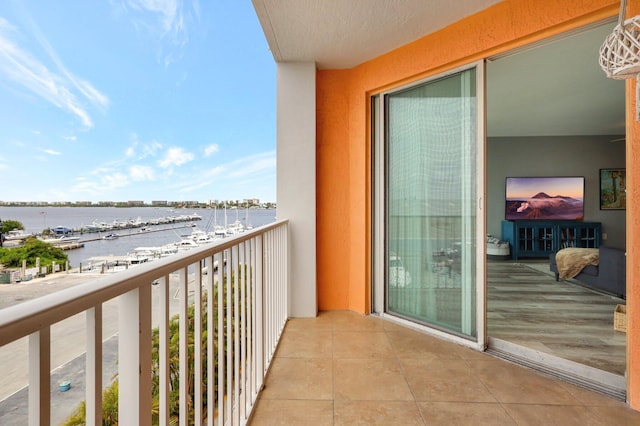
533	238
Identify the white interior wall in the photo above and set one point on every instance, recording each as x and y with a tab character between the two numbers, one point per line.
296	179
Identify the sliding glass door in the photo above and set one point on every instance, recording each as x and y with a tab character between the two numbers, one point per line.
431	146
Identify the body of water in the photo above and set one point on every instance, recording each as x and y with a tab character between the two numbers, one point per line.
36	219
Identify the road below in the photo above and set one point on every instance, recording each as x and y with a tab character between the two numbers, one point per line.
67	347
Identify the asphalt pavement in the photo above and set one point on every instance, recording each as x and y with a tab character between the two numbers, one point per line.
67	348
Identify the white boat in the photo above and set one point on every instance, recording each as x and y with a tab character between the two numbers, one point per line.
220	232
100	226
156	252
16	235
186	244
235	228
167	250
61	240
135	259
110	237
201	237
205	239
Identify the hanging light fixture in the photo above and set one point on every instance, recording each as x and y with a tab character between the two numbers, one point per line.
620	52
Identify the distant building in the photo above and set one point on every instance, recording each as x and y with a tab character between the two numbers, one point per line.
159	203
135	203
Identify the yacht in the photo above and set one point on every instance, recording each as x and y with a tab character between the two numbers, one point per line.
186	244
16	235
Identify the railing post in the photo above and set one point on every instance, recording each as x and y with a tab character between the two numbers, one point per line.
197	343
235	286
259	303
228	315
134	357
211	326
94	366
184	345
163	354
220	332
40	377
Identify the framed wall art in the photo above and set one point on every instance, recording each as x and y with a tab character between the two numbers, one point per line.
613	185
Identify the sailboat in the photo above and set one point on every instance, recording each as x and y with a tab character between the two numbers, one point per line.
218	231
248	225
236	227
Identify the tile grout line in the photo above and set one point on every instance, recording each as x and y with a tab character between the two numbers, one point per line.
404	374
333	372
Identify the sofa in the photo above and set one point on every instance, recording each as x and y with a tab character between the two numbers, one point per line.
610	275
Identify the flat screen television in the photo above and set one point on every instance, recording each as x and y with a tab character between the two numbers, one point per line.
544	198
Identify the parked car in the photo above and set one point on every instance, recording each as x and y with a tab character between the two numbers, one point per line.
398	276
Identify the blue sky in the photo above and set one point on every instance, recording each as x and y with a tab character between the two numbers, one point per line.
115	100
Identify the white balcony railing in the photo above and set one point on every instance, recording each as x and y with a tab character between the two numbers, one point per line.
238	288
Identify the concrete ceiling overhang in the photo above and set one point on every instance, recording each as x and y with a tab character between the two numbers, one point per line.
338	34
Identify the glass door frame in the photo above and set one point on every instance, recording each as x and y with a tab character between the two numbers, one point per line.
378	123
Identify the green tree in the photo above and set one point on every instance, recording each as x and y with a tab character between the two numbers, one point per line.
10	225
109	409
32	249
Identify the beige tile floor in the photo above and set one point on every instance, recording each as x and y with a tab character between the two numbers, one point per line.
343	368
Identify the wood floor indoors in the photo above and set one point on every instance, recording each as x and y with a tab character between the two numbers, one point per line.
527	307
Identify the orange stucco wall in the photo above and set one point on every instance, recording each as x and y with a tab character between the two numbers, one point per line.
343	142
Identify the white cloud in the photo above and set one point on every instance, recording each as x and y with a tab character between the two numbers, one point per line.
140	173
253	168
70	138
253	164
106	184
19	66
150	149
84	87
211	149
175	157
101	171
51	152
165	9
114	181
164	20
146	149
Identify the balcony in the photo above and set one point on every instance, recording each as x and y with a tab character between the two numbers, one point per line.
338	368
342	368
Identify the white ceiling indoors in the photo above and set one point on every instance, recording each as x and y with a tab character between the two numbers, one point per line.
556	89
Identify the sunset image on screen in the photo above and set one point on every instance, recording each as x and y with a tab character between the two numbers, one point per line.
539	198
